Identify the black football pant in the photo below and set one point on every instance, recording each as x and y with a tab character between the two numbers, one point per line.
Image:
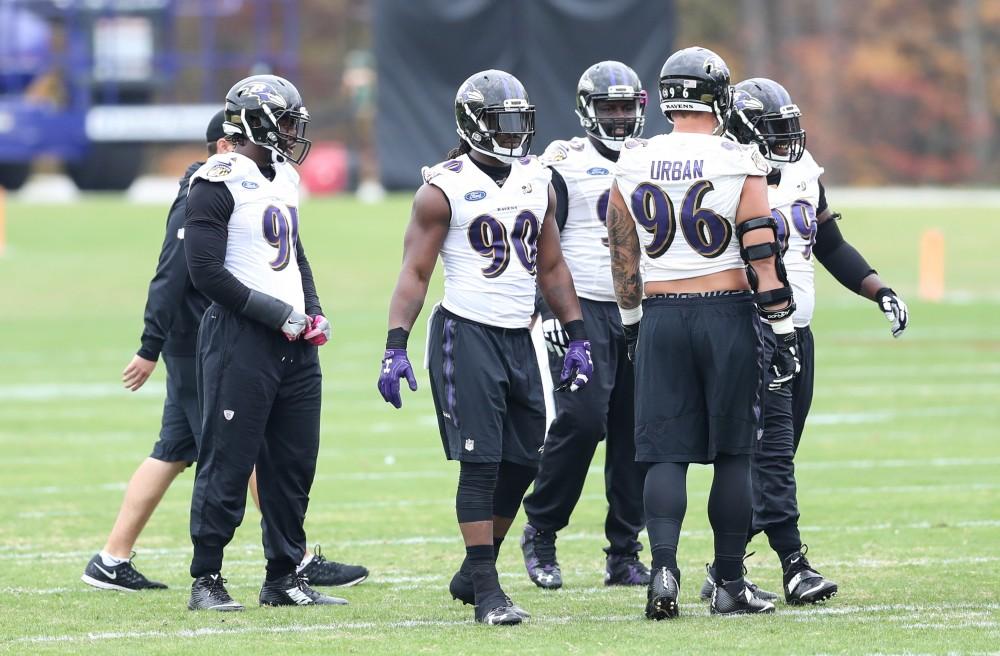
261	405
775	503
604	408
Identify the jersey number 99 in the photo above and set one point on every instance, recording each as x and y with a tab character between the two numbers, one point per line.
281	232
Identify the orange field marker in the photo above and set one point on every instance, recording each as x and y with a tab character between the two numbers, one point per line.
932	266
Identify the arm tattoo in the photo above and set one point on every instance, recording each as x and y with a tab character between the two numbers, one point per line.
624	244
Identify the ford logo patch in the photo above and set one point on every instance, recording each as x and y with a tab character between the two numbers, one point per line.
597	170
479	194
250	184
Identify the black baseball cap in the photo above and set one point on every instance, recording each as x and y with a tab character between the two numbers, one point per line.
215	131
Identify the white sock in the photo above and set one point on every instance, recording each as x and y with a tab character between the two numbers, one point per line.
305	561
111	561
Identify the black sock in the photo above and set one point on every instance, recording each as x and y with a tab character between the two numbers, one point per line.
496	547
277	569
479	559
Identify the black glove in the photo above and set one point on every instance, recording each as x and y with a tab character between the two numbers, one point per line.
631	339
785	361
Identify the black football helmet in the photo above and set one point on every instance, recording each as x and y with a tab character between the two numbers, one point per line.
610	81
494	115
764	114
268	111
696	80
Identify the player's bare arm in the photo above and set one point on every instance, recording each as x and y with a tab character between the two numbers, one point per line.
554	278
556	284
425	234
424	237
624	244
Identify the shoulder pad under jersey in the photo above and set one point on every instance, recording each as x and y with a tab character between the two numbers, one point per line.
428	173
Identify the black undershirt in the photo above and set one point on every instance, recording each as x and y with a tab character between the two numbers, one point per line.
498	174
209	208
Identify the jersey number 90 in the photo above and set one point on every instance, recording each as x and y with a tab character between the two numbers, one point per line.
489	238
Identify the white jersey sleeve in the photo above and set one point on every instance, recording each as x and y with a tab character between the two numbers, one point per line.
584	237
490	250
794	201
264	226
682	190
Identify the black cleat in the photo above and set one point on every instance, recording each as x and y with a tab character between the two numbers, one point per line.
123	577
709	586
294	590
803	584
498	610
209	593
735	598
625	570
539	550
461	589
661	596
321	571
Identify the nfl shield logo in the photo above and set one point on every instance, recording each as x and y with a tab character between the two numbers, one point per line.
228	414
469	444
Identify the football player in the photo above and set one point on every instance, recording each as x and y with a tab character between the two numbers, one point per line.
765	117
488	210
691	208
610	102
173	309
258	367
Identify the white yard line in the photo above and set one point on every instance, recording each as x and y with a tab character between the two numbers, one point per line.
909	614
23	552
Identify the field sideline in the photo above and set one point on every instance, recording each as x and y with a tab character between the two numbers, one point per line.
899	472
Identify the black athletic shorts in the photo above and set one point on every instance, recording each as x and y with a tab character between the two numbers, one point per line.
487	390
181	425
698	368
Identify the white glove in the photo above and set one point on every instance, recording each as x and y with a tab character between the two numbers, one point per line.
556	339
894	310
295	325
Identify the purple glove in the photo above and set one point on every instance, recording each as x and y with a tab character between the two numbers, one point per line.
395	365
578	367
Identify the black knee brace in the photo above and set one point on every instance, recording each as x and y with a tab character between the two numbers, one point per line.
474	498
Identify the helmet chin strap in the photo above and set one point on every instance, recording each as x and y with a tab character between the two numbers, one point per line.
612	144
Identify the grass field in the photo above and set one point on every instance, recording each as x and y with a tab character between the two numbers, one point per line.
899	472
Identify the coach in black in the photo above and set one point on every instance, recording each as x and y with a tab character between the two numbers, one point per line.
259	374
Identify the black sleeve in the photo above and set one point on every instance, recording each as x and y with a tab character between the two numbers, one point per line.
841	259
308	285
169	283
209	206
562	199
822	207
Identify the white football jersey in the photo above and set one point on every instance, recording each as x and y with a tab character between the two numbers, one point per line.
588	175
264	226
489	252
682	189
793	204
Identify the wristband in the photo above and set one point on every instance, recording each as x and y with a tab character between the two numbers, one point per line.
630	316
397	338
575	330
783	326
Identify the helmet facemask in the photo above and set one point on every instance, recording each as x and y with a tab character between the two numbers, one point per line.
603	118
779	135
504	132
281	131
